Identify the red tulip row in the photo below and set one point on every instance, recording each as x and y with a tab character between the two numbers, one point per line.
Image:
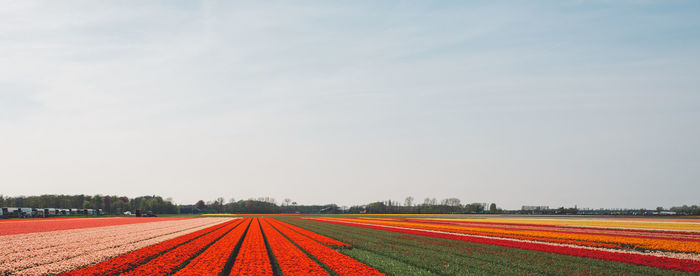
252	258
23	226
317	237
339	263
213	260
165	264
292	260
639	259
130	260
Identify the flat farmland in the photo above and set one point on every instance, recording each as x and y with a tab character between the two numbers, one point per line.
461	245
172	246
350	245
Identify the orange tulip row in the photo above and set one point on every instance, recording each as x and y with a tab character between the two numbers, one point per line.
339	263
213	260
317	237
252	258
292	260
168	262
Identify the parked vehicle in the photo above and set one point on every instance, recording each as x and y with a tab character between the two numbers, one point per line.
10	212
26	212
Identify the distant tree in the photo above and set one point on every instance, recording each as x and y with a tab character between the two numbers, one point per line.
376	207
107	202
218	204
686	210
451	202
474	208
200	204
493	208
408	201
97	199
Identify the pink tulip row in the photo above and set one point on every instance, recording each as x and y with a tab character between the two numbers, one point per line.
65	250
23	245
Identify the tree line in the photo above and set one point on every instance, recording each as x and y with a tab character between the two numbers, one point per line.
109	204
429	206
693	210
262	205
269	205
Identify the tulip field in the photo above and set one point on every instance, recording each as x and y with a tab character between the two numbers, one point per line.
349	245
515	245
167	246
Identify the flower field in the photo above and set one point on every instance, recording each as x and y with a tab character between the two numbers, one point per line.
671	245
336	245
156	246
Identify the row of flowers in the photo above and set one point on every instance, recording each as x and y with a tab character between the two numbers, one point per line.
668	234
339	263
688	265
40	245
208	251
292	260
60	251
558	236
168	262
14	227
619	223
126	262
594	240
315	236
252	258
213	260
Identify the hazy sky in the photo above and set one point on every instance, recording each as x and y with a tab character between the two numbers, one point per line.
547	103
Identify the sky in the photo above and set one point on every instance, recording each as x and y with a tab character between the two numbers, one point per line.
561	103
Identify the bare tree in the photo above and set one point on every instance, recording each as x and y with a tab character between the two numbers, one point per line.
409	201
200	204
451	201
